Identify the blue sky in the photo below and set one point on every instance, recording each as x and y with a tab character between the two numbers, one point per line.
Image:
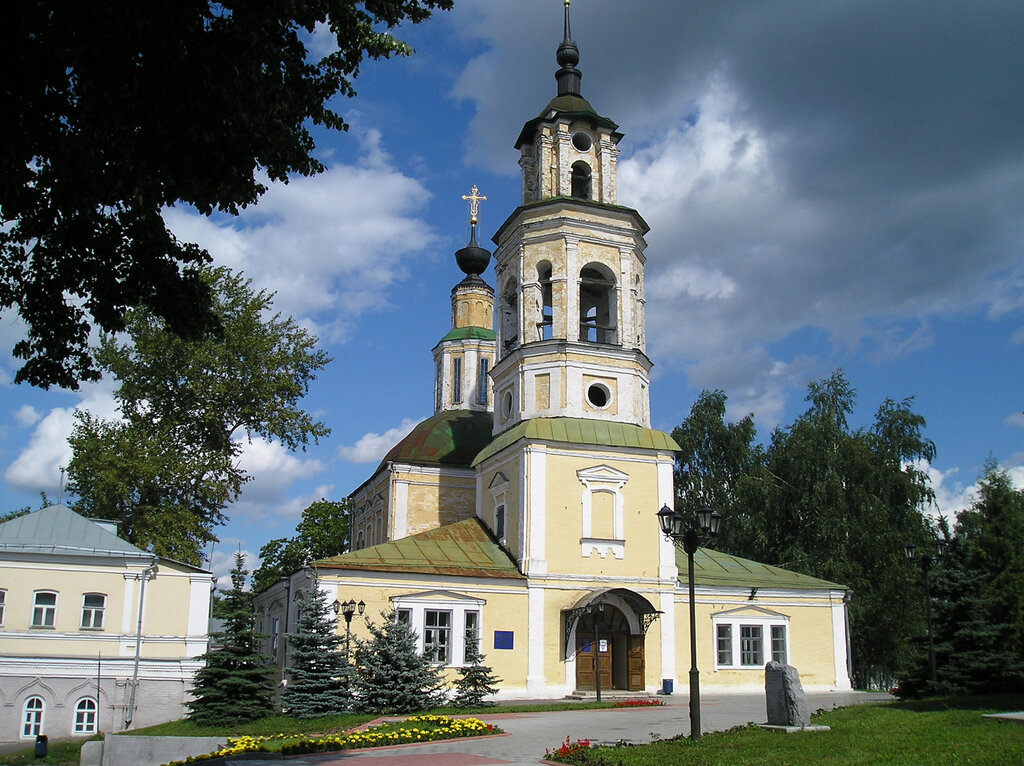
828	185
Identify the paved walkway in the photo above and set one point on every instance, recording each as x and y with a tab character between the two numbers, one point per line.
528	734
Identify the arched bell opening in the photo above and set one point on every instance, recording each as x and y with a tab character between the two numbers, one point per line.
598	305
581	181
547	315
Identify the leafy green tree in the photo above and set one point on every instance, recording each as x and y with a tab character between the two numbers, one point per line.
109	117
391	676
321	533
318	674
167	469
978	598
475	680
234	687
823	499
715	461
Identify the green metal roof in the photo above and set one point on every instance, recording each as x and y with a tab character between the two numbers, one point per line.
463	549
580	431
451	437
714	568
463	333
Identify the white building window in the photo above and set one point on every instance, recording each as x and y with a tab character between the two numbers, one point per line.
499	489
484	384
85	716
437	636
32	721
472	637
93	606
3	604
456	380
44	609
443	622
748	637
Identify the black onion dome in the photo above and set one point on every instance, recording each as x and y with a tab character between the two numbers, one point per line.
473	259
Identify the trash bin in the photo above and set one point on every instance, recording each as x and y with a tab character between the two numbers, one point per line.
41	745
666	685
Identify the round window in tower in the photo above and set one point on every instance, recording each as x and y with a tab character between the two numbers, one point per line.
598	395
506	404
582	141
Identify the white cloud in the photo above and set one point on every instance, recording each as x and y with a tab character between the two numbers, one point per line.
373	446
1015	419
330	245
37	466
27	415
274	471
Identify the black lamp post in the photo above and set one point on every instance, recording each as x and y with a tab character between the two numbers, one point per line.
926	564
674	526
348	609
595	611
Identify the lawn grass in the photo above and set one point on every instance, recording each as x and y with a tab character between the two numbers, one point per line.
943	731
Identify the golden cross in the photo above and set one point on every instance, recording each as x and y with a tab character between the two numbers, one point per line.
474	203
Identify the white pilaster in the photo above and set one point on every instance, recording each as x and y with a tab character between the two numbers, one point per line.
839	647
536	552
535	641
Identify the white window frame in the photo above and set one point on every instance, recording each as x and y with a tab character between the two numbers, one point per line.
32	719
91	613
747	617
413	608
437	636
3	605
499	492
85	716
484	381
471	634
602	478
44	610
456	380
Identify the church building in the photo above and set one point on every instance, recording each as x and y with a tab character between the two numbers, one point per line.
522	516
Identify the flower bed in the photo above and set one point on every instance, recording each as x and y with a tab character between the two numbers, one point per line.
568	751
422	728
640	703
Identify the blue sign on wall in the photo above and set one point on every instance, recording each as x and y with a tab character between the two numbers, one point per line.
503	639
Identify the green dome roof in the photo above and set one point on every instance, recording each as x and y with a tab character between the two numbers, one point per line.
452	437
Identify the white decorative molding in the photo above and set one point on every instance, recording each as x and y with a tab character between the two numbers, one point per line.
602	478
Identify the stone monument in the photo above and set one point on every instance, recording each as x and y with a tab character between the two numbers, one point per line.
784	695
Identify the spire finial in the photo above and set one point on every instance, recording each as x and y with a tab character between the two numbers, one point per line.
568	56
474	204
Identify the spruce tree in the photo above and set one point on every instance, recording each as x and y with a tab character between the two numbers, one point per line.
318	674
475	680
391	676
234	687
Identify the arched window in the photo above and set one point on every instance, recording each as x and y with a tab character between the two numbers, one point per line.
85	716
581	184
546	311
32	721
598	310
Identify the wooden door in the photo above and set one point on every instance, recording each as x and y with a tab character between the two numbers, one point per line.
635	662
585	662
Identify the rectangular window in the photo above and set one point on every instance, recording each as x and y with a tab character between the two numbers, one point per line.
483	385
751	645
404	616
3	603
456	379
472	636
724	644
437	636
44	609
93	605
779	643
275	636
499	522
